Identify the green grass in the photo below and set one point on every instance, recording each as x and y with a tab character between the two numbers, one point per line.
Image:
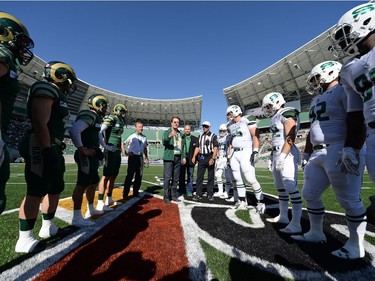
226	268
244	215
222	266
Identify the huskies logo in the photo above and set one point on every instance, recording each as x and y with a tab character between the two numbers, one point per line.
260	244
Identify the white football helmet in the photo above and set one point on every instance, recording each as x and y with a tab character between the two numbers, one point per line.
322	73
352	28
223	130
233	111
271	103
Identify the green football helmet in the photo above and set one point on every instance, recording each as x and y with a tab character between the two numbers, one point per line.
119	109
62	75
99	103
14	35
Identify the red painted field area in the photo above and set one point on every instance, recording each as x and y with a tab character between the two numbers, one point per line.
129	248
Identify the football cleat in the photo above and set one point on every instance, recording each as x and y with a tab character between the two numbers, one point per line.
240	205
26	242
48	230
260	208
91	213
81	222
311	237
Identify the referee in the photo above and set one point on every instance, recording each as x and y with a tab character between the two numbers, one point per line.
206	152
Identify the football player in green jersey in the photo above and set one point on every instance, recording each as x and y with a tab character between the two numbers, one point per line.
15	50
112	128
41	148
85	136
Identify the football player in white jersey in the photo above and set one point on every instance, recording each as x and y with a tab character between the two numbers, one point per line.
222	163
354	36
324	142
244	147
286	156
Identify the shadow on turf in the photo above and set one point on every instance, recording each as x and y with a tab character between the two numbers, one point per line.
115	237
42	245
155	189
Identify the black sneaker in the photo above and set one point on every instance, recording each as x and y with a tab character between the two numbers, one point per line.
210	198
197	198
167	201
175	199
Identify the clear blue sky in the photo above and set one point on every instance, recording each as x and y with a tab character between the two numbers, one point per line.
169	50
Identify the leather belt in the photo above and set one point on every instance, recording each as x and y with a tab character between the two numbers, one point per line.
320	146
238	148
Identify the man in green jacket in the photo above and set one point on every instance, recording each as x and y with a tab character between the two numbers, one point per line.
172	160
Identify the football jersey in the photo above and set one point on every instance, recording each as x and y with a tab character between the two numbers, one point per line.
277	124
327	116
59	112
358	78
90	136
9	87
241	137
115	129
223	143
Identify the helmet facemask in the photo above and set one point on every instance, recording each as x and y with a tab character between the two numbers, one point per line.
233	111
346	41
21	47
99	104
352	29
120	110
223	130
271	103
314	84
14	35
62	75
321	76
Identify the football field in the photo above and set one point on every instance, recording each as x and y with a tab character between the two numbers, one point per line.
223	236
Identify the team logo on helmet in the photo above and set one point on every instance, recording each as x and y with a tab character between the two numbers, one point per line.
14	35
99	103
351	29
233	111
271	103
62	75
323	73
119	109
223	130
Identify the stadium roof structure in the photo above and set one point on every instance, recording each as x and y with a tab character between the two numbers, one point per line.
287	76
151	112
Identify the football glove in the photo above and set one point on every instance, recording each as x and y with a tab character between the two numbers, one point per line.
50	164
306	157
111	148
269	165
280	162
2	152
254	157
349	162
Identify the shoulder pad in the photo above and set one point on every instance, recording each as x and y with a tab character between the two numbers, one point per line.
88	116
251	119
44	89
108	118
289	112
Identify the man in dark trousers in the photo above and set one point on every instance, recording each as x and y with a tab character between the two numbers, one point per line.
206	152
189	143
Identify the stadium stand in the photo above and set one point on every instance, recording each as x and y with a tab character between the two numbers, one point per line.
154	114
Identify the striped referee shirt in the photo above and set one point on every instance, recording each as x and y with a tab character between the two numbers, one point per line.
207	142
